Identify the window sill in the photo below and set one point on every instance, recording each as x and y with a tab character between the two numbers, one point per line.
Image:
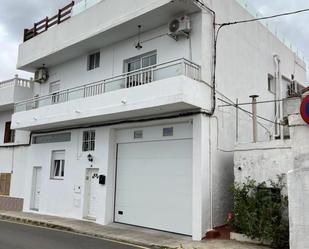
56	179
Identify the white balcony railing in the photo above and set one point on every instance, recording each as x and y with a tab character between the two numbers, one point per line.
126	80
16	82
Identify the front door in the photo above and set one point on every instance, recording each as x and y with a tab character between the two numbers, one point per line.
91	187
36	188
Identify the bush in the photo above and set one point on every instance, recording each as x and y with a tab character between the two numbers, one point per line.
261	212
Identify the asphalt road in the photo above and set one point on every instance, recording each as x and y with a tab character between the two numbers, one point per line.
18	236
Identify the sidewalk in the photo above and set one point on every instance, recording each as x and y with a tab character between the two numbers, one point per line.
122	233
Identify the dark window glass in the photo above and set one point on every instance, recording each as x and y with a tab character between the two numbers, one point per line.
94	61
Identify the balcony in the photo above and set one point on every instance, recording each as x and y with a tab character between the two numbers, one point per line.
162	88
13	91
91	25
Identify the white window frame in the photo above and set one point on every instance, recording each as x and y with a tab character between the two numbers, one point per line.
140	59
90	140
54	90
58	157
271	83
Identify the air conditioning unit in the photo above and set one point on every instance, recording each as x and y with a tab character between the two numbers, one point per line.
180	26
292	88
41	75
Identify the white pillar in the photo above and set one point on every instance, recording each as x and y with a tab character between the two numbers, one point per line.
201	178
298	185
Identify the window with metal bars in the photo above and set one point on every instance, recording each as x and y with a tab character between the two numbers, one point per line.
88	140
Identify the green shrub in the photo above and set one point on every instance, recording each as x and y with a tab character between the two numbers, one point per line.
261	212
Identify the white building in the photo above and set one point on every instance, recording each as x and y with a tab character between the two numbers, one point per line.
13	144
122	129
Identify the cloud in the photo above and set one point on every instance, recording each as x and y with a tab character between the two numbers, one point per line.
15	16
8	55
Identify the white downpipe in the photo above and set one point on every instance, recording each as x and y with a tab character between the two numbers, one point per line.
278	104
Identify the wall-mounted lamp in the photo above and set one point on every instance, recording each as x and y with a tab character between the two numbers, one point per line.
139	45
90	158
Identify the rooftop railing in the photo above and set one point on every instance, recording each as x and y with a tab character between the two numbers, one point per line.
16	82
48	22
127	80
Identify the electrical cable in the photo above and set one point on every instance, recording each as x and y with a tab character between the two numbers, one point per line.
260	102
260	117
263	18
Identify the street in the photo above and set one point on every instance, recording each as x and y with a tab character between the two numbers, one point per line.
18	236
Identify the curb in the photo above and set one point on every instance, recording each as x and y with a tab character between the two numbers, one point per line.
36	223
51	225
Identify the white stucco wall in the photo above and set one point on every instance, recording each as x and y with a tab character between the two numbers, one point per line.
54	192
244	60
298	188
263	161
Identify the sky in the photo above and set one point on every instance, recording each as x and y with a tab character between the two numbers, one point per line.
16	15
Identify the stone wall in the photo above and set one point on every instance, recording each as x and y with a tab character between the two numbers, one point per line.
11	204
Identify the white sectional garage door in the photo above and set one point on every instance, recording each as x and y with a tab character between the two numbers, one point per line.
154	183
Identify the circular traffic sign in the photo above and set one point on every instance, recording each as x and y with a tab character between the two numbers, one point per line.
304	109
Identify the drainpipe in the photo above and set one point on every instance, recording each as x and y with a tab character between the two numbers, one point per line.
254	117
278	103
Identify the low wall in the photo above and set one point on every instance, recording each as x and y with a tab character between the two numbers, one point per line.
263	161
8	203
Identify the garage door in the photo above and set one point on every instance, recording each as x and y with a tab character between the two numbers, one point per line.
154	185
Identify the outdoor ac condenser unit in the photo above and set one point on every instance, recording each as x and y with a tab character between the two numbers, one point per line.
293	88
180	26
41	75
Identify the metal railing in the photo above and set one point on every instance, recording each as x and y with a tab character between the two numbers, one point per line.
16	82
127	80
48	22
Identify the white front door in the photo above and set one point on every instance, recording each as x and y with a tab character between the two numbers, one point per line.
154	185
36	188
91	188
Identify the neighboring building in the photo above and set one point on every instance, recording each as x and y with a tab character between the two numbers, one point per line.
289	158
122	129
12	142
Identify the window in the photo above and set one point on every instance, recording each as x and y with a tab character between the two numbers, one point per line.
54	89
140	62
52	138
58	164
141	70
138	134
271	84
168	132
88	140
93	61
9	135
